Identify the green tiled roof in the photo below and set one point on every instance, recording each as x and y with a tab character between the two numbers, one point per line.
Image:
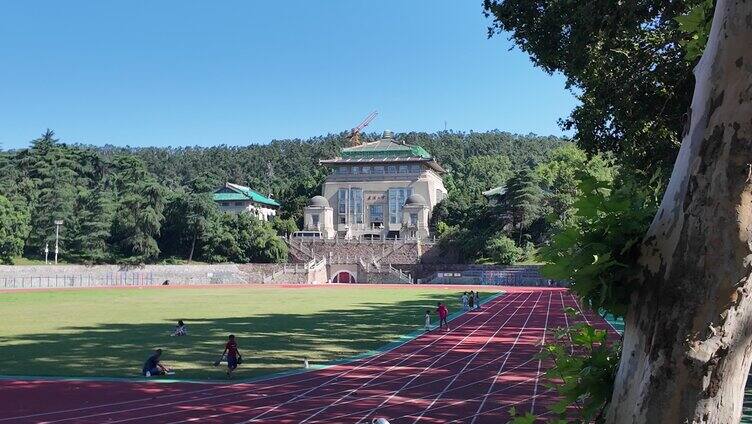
234	192
385	147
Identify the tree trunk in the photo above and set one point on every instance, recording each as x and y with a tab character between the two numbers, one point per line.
193	246
688	340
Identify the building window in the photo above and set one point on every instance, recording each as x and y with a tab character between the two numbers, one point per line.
342	170
376	215
404	169
356	170
350	205
413	218
378	169
397	198
225	203
356	204
342	196
391	169
238	203
366	169
415	168
315	220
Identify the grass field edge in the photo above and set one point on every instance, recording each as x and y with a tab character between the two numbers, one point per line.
380	350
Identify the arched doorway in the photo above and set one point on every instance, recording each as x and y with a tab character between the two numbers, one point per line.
344	277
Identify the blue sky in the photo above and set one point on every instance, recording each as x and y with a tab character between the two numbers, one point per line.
177	73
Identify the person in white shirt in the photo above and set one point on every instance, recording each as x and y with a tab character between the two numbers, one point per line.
180	329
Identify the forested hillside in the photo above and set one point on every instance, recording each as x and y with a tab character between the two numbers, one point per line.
137	205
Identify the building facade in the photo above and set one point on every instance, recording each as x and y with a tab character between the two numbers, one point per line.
234	198
382	189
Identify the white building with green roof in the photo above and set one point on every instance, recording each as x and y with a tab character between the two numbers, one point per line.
381	189
234	198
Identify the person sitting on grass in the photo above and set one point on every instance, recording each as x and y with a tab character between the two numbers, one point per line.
153	366
232	354
180	329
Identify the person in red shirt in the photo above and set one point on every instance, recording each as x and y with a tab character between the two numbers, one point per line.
443	312
233	354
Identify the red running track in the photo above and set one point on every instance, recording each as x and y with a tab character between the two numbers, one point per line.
471	374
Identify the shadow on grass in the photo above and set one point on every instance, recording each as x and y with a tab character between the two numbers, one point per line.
269	343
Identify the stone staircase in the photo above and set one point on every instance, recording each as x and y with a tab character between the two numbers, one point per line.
377	273
349	251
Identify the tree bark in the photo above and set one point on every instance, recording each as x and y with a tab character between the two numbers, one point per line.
688	339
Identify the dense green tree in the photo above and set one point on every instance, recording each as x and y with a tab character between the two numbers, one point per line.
187	218
480	173
503	250
146	204
90	226
52	169
284	226
560	175
533	205
14	228
138	215
522	202
622	59
246	239
220	241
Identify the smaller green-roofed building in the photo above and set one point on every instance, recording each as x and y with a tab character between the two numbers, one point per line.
234	198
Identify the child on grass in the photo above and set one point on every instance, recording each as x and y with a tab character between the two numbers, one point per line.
232	354
180	329
428	320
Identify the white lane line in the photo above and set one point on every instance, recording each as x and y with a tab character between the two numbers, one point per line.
441	394
458	388
287	414
109	405
235	394
540	361
394	393
583	314
504	406
566	321
336	378
292	380
493	382
336	402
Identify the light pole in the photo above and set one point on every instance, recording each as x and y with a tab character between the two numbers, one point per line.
46	252
58	223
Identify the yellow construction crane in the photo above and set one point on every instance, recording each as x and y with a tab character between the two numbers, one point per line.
354	135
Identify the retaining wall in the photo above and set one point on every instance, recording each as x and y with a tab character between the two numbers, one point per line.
51	276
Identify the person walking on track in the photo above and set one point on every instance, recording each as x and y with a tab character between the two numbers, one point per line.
443	312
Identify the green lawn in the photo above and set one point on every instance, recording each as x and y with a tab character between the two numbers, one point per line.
110	332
